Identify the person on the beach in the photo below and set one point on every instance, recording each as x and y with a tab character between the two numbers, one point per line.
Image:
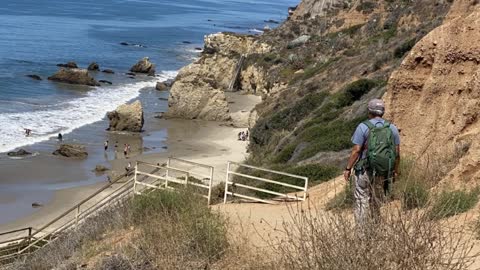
128	168
60	137
105	145
246	135
28	132
128	148
240	136
125	150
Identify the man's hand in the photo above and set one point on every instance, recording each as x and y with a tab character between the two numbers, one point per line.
395	177
346	174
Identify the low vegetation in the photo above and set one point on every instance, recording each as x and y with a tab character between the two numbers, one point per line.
450	203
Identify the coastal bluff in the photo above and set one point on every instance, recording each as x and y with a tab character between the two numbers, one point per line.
199	89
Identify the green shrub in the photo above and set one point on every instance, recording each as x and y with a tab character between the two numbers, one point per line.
401	50
354	91
343	199
384	36
450	203
286	154
414	195
366	7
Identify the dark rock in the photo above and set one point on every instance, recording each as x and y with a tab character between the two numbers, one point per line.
68	65
94	67
152	71
161	86
130	74
124	43
105	81
186	42
144	66
166	99
131	77
109	71
74	76
36	205
198	49
18	153
35	77
272	21
209	20
100	169
71	151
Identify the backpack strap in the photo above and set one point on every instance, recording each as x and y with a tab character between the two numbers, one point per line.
368	124
386	123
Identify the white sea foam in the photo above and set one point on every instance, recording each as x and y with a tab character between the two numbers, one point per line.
68	116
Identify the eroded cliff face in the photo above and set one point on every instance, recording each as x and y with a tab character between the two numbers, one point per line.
434	96
199	89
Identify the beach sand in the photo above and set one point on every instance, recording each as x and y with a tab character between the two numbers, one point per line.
209	143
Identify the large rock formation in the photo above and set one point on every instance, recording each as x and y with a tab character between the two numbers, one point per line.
198	91
434	97
144	66
71	151
74	76
127	117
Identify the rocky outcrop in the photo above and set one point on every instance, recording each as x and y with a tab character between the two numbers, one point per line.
108	71
199	89
74	76
161	86
253	79
144	66
434	96
71	151
19	153
94	67
127	117
68	65
35	77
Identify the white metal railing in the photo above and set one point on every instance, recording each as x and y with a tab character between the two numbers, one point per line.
230	182
176	171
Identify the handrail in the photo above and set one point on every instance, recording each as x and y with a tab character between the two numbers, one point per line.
190	162
15	231
80	203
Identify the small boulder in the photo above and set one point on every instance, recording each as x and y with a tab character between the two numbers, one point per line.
71	151
105	81
36	205
109	71
298	41
35	77
19	153
74	76
94	67
70	64
127	117
161	86
144	66
124	43
101	169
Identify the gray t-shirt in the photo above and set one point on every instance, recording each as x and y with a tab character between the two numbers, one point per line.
361	133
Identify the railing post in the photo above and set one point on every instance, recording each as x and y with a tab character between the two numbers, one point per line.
226	183
306	188
187	175
210	186
167	173
135	179
29	236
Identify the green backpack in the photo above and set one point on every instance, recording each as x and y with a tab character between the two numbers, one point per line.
380	148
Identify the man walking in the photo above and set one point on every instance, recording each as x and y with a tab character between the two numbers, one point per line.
375	158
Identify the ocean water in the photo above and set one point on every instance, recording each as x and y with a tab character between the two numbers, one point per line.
38	34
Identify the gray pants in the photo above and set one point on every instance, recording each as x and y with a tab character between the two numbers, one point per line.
369	195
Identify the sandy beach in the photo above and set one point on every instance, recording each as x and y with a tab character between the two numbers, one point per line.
210	143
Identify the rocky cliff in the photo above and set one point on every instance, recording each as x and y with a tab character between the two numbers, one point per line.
199	89
434	96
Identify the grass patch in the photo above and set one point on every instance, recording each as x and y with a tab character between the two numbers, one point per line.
401	50
414	195
383	36
342	200
286	154
311	71
451	203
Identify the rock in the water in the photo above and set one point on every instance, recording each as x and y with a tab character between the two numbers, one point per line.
159	115
94	67
186	42
74	76
109	71
36	205
68	65
130	74
105	81
124	43
298	41
35	77
143	66
100	168
18	153
161	86
71	151
127	117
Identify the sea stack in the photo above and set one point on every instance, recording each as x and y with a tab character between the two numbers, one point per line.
127	117
74	76
144	66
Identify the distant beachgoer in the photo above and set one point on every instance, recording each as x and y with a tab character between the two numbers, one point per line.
128	148
246	135
125	150
28	132
239	136
105	145
60	137
128	168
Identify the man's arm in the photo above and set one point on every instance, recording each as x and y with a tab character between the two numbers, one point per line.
352	160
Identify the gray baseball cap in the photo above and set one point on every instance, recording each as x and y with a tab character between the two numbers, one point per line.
376	106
